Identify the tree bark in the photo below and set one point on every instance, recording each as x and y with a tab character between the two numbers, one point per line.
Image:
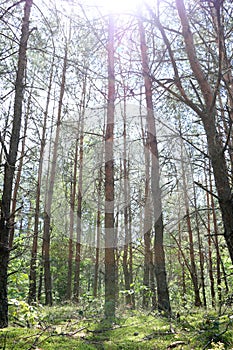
98	231
110	244
193	267
147	227
125	262
208	117
9	170
19	171
79	215
210	258
71	224
200	247
48	204
159	255
34	250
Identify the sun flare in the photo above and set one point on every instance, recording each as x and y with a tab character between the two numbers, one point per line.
118	6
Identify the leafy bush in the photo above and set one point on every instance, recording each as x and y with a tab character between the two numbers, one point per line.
217	346
23	314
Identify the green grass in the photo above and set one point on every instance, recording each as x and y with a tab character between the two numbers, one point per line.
65	327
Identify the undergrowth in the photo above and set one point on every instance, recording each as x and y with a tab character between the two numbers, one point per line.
75	327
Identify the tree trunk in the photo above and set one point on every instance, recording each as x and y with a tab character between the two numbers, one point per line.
210	259
98	231
71	224
125	262
19	171
33	262
147	228
208	117
159	256
110	244
98	221
215	240
9	170
80	198
182	264
193	267
200	248
48	204
79	215
226	67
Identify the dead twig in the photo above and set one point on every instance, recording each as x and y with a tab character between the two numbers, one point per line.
176	343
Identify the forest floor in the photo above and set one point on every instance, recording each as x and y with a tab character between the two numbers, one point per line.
68	327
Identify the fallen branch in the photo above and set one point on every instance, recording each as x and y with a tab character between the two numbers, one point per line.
176	343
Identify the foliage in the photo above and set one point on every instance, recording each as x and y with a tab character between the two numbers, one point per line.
219	346
18	273
25	315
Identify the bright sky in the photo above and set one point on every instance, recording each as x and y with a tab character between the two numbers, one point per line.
119	6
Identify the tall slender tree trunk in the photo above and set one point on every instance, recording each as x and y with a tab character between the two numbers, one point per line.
125	261
117	254
9	170
110	263
50	147
34	250
80	198
208	117
71	223
185	261
192	260
227	77
79	214
182	263
98	231
48	204
96	287
216	243
210	259
147	228
159	255
131	277
193	267
18	175
200	247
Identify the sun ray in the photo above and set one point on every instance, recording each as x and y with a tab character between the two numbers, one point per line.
118	6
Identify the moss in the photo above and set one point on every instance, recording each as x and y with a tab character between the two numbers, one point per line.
62	327
24	339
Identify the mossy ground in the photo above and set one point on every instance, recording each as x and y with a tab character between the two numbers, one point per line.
65	327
